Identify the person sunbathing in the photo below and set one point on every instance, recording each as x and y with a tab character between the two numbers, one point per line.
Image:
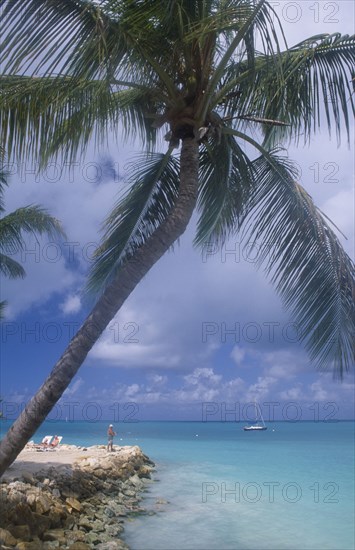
56	441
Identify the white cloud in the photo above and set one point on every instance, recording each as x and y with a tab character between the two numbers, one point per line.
205	375
293	394
238	354
42	281
320	393
72	304
284	364
73	388
133	355
261	389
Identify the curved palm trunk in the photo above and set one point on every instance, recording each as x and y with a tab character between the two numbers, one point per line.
106	308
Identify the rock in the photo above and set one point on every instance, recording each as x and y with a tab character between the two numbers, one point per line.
31	499
28	477
55	535
85	523
112	545
145	471
21	532
22	515
40	524
93	538
6	538
33	545
73	503
69	492
43	504
109	512
50	545
69	522
129	492
136	482
76	536
161	501
97	491
98	526
17	486
56	514
114	530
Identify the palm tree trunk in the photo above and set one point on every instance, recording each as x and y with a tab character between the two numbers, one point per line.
105	309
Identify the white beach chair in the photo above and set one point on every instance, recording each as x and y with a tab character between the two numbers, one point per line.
53	446
44	443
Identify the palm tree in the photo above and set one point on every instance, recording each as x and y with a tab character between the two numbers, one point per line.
207	75
33	220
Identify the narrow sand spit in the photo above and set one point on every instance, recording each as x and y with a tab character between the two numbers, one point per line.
33	461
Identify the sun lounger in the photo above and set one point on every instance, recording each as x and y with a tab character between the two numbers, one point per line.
44	443
56	441
53	446
48	443
46	440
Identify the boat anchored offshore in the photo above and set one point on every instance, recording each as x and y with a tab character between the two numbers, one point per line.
259	424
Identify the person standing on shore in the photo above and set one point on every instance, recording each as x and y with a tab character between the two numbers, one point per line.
110	436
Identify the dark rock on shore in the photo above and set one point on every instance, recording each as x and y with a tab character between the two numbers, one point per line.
74	507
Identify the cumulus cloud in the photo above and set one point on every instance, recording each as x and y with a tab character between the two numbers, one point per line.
261	389
72	304
205	375
73	388
238	354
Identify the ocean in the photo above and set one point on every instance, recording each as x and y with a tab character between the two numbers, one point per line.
217	487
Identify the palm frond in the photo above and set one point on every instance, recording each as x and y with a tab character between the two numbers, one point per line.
153	189
41	117
259	19
28	219
3	305
67	35
87	40
10	268
300	87
226	176
306	262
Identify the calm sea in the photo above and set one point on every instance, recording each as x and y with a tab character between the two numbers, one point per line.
217	487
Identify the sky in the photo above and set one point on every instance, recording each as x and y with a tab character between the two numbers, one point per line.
204	334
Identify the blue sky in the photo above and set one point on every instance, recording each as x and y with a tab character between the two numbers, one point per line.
205	332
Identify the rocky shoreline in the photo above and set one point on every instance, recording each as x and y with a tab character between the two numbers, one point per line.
77	506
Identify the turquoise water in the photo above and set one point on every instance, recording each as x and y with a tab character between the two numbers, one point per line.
218	487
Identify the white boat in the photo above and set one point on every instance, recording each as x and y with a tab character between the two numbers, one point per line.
259	424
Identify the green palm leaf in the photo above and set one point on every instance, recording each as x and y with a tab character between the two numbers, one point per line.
153	189
306	261
10	268
226	175
28	219
302	86
62	114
